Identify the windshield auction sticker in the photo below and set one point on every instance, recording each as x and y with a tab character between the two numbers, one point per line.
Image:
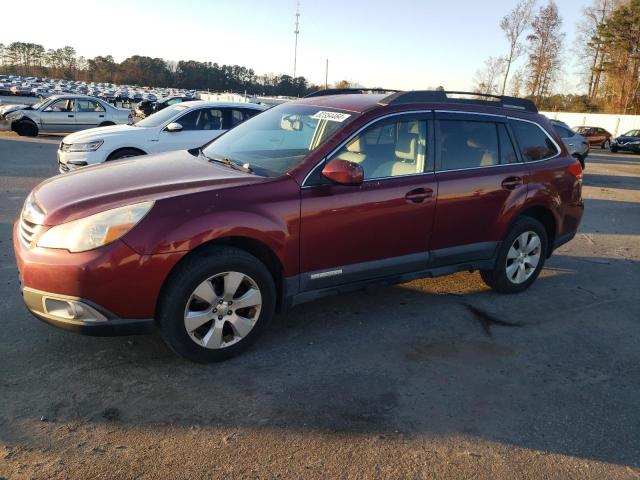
331	116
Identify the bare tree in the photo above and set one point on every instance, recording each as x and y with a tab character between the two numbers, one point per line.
545	41
517	83
514	24
487	79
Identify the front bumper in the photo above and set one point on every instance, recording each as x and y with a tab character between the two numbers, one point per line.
119	286
68	161
625	147
81	316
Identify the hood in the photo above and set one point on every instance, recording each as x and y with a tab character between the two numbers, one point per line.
99	132
623	139
102	187
4	109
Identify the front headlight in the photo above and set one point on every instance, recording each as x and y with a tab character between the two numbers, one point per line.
95	230
82	147
11	116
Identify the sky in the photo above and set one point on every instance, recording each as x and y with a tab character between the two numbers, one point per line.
401	44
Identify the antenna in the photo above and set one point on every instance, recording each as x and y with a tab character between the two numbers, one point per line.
296	32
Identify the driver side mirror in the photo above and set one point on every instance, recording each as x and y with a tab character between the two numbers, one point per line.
173	127
343	172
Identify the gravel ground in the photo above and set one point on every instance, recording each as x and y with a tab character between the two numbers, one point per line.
435	378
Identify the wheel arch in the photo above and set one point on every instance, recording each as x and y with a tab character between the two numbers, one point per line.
119	149
545	216
258	249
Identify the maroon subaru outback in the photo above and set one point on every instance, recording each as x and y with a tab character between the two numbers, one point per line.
311	198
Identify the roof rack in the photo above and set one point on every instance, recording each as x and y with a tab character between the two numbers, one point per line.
343	91
440	96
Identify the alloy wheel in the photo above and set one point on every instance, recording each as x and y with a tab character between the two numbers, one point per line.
223	310
523	257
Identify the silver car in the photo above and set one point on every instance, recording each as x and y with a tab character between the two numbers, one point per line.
577	145
65	113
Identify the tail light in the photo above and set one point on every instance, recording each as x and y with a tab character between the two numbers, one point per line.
130	116
575	169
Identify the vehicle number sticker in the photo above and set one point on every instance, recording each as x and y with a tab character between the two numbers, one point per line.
331	116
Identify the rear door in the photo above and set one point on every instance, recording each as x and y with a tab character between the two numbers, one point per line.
481	181
89	114
59	116
381	227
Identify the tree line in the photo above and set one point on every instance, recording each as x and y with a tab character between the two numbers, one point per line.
536	59
30	59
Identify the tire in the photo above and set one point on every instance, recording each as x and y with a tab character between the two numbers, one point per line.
26	129
106	124
192	295
125	153
500	278
606	145
614	150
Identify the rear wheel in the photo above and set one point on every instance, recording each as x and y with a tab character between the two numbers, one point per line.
520	259
106	124
216	304
26	129
606	145
124	153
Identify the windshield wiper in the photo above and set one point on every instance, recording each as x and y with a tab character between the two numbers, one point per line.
229	163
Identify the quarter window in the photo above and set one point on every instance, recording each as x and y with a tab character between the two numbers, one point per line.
468	144
534	143
389	149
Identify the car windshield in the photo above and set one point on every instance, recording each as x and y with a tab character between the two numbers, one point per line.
275	141
36	106
632	133
581	130
161	117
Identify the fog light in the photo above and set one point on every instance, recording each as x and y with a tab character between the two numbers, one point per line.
71	310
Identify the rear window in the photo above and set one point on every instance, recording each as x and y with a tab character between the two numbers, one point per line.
563	132
534	143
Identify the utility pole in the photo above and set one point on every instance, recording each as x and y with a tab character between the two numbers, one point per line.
326	75
296	32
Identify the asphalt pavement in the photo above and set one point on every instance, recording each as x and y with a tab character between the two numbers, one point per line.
437	378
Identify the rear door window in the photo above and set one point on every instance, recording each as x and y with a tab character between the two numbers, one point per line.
534	143
467	144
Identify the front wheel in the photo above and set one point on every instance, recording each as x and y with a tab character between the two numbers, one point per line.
520	259
216	304
26	129
614	150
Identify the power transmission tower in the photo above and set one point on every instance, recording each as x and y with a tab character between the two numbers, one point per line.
296	32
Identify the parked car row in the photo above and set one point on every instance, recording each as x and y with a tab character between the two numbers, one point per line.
306	199
44	87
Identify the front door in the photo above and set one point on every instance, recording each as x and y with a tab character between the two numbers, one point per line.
481	180
380	228
59	116
199	126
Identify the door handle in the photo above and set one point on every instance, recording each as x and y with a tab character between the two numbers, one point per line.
419	195
101	116
70	116
511	183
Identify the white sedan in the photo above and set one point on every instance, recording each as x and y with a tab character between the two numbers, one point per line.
179	127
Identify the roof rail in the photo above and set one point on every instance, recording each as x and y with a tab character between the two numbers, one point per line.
343	91
440	96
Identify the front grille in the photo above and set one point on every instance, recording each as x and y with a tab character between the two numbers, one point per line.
63	167
26	231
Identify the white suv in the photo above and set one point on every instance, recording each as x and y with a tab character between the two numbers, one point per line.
179	127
